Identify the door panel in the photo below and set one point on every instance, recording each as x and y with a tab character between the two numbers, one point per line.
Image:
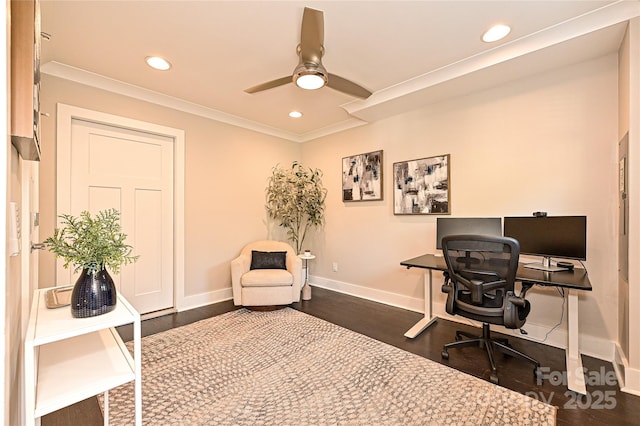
131	171
147	224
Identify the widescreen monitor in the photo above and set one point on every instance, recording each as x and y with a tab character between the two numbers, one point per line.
467	225
549	236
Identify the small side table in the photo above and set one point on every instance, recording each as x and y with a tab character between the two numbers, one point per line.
306	288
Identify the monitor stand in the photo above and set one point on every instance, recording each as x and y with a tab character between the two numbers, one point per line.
545	265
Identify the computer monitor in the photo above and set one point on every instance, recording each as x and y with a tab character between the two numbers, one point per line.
549	236
467	225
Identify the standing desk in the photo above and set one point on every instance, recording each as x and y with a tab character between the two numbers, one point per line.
573	281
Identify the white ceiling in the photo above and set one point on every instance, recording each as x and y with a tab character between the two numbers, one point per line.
408	53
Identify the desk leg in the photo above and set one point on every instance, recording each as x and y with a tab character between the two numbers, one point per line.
428	317
575	371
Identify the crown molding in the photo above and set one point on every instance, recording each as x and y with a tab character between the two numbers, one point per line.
60	70
334	128
419	90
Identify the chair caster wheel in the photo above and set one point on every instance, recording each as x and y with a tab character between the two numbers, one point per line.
445	355
494	378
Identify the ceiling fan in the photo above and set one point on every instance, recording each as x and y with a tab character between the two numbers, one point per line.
310	74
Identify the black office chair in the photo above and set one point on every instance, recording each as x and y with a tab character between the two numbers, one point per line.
480	285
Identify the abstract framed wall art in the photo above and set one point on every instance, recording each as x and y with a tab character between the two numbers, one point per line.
422	186
362	177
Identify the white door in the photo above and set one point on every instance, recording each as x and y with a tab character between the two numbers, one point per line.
131	171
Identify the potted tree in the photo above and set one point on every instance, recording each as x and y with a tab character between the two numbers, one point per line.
92	244
295	199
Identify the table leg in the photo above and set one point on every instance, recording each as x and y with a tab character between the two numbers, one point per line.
428	319
575	371
306	291
137	353
105	413
30	385
306	288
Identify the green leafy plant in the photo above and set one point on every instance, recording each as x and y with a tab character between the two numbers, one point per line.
295	199
92	243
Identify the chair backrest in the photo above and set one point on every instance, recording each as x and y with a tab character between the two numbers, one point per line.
268	245
481	263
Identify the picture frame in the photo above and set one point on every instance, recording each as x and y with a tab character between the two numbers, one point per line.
421	186
362	177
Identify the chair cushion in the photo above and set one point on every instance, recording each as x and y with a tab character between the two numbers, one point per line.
268	259
267	278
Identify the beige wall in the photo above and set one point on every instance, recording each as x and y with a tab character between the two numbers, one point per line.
226	174
545	143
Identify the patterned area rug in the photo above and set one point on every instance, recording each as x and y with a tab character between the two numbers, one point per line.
289	368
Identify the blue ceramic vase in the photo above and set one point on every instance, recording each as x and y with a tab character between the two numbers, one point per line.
93	294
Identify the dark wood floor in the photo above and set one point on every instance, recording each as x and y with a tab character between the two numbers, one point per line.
604	403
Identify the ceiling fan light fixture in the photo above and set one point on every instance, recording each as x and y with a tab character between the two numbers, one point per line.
310	81
495	33
310	77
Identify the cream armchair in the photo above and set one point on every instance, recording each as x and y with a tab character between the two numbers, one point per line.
262	285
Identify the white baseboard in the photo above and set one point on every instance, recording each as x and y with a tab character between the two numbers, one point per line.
386	297
632	381
597	347
629	378
203	299
589	345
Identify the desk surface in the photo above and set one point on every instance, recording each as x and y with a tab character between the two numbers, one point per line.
576	279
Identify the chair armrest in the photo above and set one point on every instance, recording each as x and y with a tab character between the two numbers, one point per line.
239	266
447	286
294	266
516	310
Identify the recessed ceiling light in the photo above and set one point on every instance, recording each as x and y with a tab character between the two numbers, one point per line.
295	114
495	33
158	63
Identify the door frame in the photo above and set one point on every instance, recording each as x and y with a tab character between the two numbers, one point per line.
29	234
65	115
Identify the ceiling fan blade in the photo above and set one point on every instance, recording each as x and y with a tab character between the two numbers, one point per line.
312	36
269	85
345	86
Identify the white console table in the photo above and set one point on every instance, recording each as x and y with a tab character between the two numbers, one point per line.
70	359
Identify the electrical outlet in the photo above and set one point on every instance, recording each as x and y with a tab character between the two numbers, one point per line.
334	267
